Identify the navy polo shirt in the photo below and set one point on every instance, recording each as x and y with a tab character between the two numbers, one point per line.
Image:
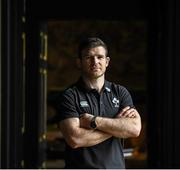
78	99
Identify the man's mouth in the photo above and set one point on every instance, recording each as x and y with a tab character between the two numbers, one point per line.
95	68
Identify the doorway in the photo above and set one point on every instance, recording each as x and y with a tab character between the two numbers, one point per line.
127	42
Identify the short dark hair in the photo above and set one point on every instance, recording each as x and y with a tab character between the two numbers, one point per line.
91	42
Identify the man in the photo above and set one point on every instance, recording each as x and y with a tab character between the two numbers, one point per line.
95	113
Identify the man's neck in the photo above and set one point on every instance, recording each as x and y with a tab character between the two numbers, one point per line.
95	83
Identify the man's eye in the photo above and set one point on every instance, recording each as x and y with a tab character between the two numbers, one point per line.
88	57
101	57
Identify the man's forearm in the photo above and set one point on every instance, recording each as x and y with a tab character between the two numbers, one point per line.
127	123
123	127
88	137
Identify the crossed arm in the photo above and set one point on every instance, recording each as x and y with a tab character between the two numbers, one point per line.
77	131
77	136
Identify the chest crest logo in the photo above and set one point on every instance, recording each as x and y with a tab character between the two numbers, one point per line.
116	102
84	104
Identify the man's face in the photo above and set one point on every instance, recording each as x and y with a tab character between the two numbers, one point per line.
94	62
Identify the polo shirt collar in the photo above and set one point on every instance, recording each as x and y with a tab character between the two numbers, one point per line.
80	83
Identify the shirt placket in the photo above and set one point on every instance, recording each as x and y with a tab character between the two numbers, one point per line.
101	104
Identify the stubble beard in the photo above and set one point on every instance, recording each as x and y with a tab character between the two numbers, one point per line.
94	76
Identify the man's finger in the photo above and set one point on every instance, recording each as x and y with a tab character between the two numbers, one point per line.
124	110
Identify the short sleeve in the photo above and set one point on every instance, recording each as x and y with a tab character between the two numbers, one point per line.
66	106
125	98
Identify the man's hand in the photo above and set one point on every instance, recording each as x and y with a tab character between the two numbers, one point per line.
85	120
127	112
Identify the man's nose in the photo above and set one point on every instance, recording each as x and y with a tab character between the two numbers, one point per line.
95	60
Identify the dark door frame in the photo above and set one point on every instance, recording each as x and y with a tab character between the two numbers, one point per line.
11	84
162	85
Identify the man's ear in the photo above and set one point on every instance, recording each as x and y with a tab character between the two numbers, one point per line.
78	63
107	61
